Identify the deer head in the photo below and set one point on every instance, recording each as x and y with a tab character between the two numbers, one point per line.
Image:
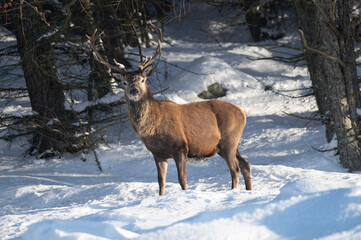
134	82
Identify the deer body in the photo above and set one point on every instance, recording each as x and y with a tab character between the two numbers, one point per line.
180	131
165	126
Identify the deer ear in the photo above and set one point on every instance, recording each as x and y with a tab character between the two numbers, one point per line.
119	77
147	71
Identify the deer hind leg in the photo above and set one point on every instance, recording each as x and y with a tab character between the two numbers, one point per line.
228	154
162	165
245	170
181	161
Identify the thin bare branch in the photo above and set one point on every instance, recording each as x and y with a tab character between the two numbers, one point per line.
305	45
325	150
278	92
304	118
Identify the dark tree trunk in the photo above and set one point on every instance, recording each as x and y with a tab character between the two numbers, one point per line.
106	18
42	79
101	15
254	19
86	14
330	56
38	62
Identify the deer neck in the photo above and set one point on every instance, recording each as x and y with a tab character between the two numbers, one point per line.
143	114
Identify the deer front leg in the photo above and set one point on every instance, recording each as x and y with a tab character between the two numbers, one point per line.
162	165
181	162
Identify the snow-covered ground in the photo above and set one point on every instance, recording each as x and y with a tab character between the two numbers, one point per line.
298	192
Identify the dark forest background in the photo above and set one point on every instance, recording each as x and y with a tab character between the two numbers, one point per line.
58	67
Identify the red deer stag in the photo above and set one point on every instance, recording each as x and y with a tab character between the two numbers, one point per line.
181	131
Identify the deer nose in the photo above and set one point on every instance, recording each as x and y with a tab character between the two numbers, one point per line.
133	91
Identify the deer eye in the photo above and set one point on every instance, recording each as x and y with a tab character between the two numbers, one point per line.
142	80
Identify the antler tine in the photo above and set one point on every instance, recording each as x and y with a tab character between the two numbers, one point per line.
97	55
149	61
121	66
157	31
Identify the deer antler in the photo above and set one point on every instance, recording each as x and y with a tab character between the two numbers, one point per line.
99	58
149	61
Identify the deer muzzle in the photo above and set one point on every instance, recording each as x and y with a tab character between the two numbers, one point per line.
134	91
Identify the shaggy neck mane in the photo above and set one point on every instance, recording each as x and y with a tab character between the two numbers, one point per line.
143	114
